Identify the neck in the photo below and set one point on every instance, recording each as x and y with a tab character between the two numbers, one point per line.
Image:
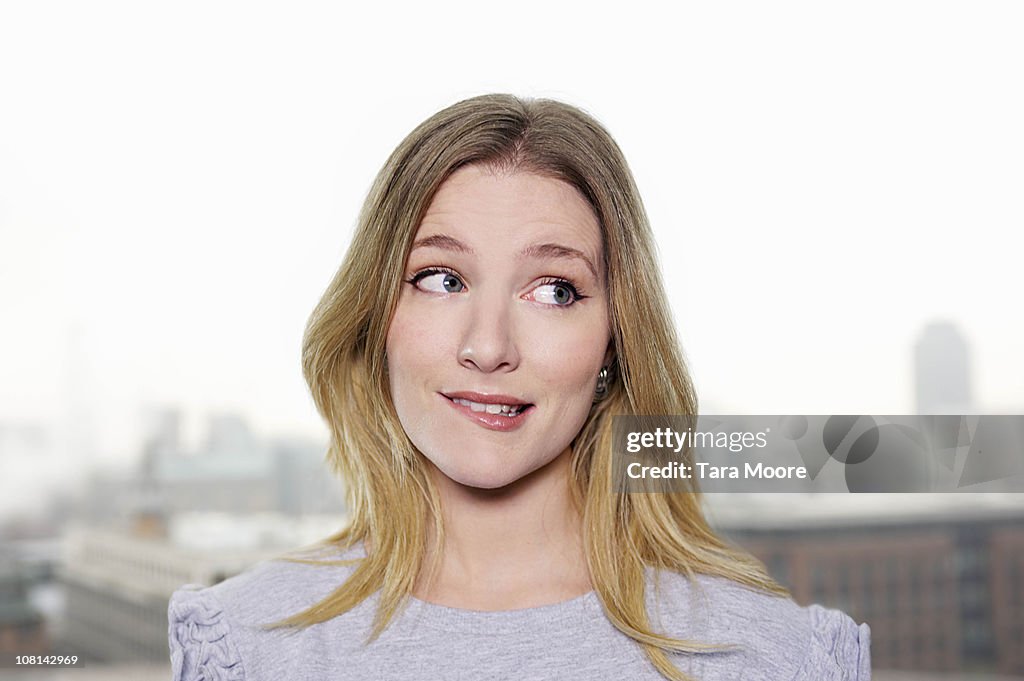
513	547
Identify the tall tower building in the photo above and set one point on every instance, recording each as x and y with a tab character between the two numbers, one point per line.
942	380
163	439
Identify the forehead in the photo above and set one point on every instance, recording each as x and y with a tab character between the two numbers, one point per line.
494	208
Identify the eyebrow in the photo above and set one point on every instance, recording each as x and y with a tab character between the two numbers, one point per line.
545	250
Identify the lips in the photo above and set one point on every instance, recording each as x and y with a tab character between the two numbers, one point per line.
492	411
486	398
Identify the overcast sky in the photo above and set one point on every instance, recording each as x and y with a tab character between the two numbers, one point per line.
179	182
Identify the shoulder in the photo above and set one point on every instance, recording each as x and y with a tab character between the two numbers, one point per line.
777	638
211	629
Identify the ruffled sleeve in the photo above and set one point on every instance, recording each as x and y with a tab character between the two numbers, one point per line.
840	649
202	648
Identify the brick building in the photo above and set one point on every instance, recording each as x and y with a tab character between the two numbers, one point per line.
939	578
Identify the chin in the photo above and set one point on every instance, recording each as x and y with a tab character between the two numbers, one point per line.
486	483
482	479
479	474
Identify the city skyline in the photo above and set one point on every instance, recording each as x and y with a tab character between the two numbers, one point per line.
73	415
938	365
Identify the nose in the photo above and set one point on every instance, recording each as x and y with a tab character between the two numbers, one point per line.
487	342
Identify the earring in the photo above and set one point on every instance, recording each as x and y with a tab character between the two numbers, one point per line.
602	384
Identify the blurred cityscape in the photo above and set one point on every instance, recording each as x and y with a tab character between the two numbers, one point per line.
92	576
939	578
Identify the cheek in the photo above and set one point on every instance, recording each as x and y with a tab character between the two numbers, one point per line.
568	357
406	363
403	354
414	348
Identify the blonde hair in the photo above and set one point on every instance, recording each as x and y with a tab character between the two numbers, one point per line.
390	496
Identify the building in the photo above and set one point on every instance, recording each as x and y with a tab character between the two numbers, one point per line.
22	627
938	577
117	582
942	382
233	471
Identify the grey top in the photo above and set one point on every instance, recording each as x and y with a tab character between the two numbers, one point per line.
212	634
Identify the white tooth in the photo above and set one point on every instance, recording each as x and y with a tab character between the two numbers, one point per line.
505	409
464	403
493	408
476	406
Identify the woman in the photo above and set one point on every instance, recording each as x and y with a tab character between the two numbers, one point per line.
498	305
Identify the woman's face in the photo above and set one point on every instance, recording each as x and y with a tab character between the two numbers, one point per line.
501	327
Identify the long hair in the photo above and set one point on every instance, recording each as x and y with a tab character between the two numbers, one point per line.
391	498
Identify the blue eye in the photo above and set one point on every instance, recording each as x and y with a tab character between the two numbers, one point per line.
558	292
437	281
